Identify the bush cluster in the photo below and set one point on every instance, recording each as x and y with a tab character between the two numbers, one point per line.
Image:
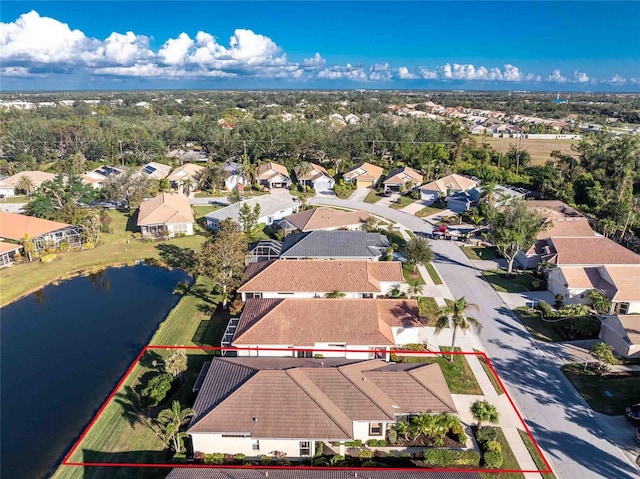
215	458
377	442
447	457
490	447
546	309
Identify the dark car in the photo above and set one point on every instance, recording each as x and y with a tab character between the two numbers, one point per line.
632	413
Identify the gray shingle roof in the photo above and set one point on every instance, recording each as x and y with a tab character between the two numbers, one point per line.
269	205
334	244
313	473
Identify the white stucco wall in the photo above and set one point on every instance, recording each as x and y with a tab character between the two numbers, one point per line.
613	333
189	231
212	443
427	195
304	295
634	308
327	351
361	431
269	219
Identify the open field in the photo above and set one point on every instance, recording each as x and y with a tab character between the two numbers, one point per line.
540	150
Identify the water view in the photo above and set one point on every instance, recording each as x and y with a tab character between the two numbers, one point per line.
62	351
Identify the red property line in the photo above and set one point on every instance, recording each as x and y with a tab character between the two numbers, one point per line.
67	462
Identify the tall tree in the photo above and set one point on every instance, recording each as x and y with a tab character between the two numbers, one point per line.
211	177
25	185
171	421
248	217
418	251
129	187
176	363
513	228
452	315
303	170
222	258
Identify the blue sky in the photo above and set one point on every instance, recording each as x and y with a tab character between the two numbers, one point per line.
514	45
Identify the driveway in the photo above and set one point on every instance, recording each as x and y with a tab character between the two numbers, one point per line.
576	440
359	194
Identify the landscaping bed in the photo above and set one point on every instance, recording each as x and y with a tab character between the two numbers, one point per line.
558	329
402	202
496	456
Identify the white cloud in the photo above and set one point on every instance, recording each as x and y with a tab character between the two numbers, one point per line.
380	72
580	77
175	50
404	74
316	62
617	80
556	77
347	72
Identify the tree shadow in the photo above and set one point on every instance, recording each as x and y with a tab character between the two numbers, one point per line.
150	359
132	222
128	457
176	257
129	400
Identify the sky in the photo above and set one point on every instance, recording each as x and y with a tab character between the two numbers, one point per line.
482	45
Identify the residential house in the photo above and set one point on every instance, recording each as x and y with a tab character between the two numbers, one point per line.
97	177
401	179
187	175
326	219
622	332
310	278
8	185
155	171
255	406
313	473
272	209
234	176
186	156
335	245
317	178
365	175
478	129
445	187
42	233
165	216
273	175
7	252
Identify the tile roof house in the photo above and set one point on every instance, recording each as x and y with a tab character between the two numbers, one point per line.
255	406
323	219
364	175
310	278
272	209
400	178
273	175
155	171
8	185
97	177
7	252
234	176
317	178
187	173
315	473
334	245
43	233
165	216
588	251
446	186
622	332
331	327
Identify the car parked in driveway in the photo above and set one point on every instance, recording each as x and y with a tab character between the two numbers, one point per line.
632	413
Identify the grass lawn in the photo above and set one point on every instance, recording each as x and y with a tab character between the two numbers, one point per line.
623	388
540	150
428	308
480	252
395	238
402	202
373	197
118	248
539	329
517	283
211	194
510	462
458	374
535	455
428	211
490	374
201	210
15	199
410	275
435	277
124	432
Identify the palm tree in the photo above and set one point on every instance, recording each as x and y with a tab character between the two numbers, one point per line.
170	422
164	185
28	246
452	315
599	301
414	287
25	184
484	411
186	186
304	169
335	294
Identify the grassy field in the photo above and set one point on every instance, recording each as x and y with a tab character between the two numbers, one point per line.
373	197
435	277
118	248
535	455
517	283
539	329
480	252
428	308
125	431
540	150
510	462
622	388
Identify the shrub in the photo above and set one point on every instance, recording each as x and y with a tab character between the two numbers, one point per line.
393	435
493	459
370	464
447	457
156	389
546	309
393	358
493	446
318	356
179	458
265	460
48	258
240	458
486	434
558	301
319	449
458	432
215	458
320	461
405	454
356	443
366	454
336	459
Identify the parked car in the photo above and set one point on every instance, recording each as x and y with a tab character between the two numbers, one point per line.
637	434
632	413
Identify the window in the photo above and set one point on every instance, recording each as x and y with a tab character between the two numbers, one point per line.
305	448
236	435
336	345
624	308
180	228
256	445
304	354
253	295
375	429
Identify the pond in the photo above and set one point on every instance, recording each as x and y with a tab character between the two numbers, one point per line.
62	351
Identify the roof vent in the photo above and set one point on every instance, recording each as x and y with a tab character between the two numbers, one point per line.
255	419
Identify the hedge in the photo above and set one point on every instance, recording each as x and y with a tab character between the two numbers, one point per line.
493	459
446	457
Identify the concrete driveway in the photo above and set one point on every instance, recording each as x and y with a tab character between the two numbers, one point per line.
359	194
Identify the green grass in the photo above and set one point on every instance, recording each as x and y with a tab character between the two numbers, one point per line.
373	197
539	329
490	374
402	202
118	248
480	252
211	194
510	461
516	283
410	275
535	455
458	374
623	387
433	274
395	238
428	308
15	199
344	191
201	210
428	211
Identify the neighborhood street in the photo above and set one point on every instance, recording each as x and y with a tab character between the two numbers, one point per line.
574	439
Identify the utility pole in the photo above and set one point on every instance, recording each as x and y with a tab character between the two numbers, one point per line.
121	154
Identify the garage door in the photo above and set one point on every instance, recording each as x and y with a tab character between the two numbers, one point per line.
322	185
364	183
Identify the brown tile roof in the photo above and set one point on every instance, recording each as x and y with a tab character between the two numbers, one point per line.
165	208
578	277
324	276
590	251
372	172
631	324
567	228
450	182
271	169
186	171
626	280
8	247
323	398
403	176
322	218
37	177
304	322
14	226
316	171
553	209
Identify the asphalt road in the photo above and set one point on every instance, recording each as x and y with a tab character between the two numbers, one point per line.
573	438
